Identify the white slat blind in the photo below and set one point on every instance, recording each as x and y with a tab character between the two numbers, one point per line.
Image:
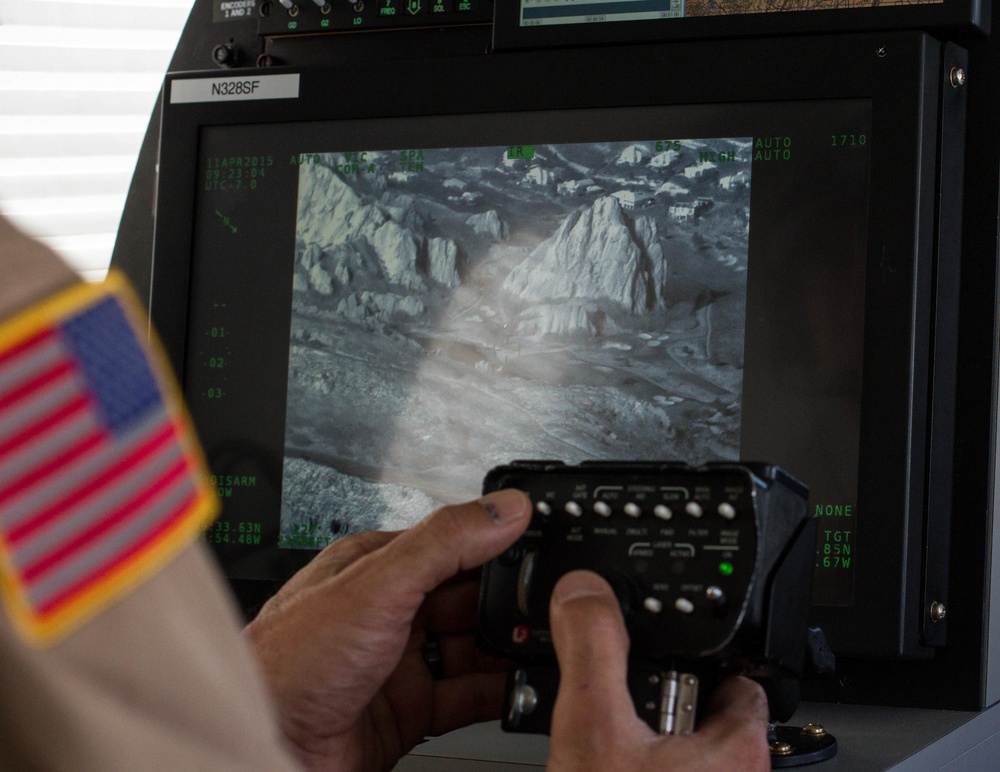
78	80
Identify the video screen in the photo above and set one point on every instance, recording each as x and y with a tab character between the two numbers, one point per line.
561	301
534	13
381	311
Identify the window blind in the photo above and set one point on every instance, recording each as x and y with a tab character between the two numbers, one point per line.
78	81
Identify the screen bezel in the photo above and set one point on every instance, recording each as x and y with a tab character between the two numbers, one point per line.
899	73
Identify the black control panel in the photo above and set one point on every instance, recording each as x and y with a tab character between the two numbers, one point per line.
293	17
711	566
905	618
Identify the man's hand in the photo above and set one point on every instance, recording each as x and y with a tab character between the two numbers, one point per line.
342	643
594	724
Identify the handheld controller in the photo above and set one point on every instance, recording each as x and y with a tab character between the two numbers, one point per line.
711	565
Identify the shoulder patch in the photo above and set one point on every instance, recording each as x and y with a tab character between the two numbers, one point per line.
101	478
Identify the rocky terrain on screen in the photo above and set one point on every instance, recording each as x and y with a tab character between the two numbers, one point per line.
460	312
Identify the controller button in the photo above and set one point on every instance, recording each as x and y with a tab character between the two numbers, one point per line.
694	509
602	508
653	605
727	510
573	508
716	595
543	508
633	510
663	512
684	605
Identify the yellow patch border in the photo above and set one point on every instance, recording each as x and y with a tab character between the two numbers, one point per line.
45	630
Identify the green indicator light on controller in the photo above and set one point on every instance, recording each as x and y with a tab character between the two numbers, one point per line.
726	568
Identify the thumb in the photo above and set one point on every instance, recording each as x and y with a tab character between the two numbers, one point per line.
593	710
451	540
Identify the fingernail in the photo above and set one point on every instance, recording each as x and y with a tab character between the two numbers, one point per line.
579	584
506	505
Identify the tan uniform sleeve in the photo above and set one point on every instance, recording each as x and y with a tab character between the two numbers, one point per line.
162	679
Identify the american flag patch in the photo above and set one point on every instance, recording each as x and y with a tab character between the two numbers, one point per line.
101	479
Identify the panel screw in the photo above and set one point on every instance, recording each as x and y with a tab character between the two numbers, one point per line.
813	730
938	611
882	52
226	54
957	77
779	748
